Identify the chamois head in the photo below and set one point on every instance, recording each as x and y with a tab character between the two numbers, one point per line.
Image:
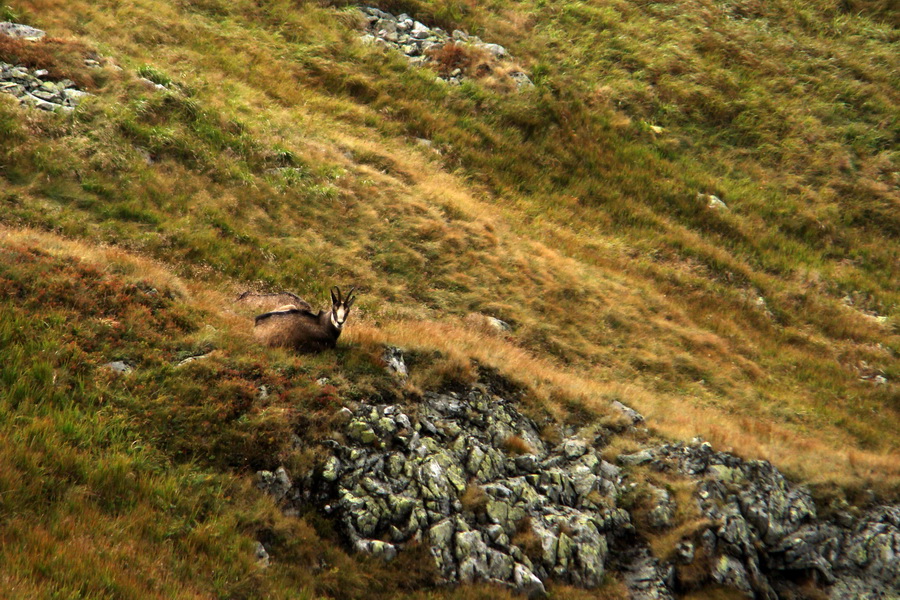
340	306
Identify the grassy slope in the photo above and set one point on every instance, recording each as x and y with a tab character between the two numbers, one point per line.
560	210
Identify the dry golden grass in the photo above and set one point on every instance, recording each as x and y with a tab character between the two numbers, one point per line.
517	446
474	499
617	286
557	391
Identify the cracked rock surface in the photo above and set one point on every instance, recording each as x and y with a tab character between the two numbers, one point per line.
545	513
766	530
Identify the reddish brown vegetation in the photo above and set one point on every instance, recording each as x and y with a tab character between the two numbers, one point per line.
452	56
63	59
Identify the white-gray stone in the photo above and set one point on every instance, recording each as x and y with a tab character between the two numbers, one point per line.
20	32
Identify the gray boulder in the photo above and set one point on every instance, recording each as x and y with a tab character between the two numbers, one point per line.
20	32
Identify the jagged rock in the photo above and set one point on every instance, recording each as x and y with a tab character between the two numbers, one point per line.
262	557
684	552
527	583
377	548
767	528
276	484
21	32
638	458
645	577
635	417
393	357
663	510
414	490
402	478
712	201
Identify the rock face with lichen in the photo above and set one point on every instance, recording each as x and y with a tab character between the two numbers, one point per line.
442	477
765	531
468	475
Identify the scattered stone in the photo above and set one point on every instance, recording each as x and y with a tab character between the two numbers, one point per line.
638	458
21	32
635	417
191	359
501	326
262	557
119	367
150	85
496	50
712	201
33	89
393	358
523	82
416	41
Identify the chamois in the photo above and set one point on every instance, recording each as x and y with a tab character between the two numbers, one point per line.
297	326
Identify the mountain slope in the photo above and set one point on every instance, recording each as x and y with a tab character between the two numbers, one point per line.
281	152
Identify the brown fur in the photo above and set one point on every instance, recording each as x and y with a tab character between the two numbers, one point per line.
297	326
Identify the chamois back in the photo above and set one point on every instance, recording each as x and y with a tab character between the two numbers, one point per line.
270	302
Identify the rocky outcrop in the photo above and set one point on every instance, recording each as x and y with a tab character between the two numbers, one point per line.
418	43
34	88
470	476
766	533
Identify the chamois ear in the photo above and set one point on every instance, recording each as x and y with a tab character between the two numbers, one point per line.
335	295
350	298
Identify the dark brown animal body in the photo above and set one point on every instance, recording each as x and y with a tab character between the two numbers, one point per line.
297	326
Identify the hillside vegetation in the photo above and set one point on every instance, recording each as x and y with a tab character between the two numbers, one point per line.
284	153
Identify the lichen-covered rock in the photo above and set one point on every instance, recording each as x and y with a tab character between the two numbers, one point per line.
403	477
645	577
32	88
767	530
439	476
277	484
